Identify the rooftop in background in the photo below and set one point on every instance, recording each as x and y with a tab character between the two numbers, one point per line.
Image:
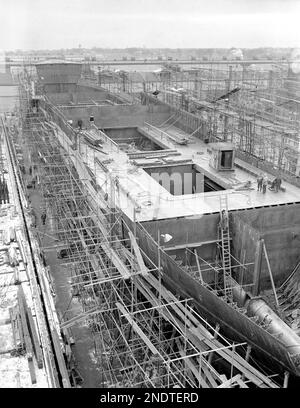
6	79
145	61
56	62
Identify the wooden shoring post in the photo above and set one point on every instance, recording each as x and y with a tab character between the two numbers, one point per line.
248	351
232	360
286	379
138	255
215	337
242	269
198	266
146	358
133	280
257	267
242	254
270	273
159	285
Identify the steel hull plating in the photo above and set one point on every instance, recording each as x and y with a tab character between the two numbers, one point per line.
237	325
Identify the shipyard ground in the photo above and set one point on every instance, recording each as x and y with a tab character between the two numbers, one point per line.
66	305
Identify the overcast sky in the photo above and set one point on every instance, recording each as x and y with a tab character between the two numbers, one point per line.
49	24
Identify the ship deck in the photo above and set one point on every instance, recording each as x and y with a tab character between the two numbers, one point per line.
136	188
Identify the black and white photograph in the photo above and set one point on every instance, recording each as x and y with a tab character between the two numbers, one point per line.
149	199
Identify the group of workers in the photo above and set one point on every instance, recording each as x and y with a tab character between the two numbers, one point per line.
34	217
4	193
79	123
262	183
34	180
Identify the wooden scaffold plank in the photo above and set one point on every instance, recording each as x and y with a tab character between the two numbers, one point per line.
137	329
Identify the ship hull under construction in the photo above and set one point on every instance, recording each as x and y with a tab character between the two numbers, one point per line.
236	324
218	245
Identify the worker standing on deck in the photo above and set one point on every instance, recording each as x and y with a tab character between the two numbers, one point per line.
224	221
259	182
33	215
33	182
274	185
265	183
278	184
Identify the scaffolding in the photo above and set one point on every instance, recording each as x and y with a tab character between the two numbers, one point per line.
250	110
144	335
251	107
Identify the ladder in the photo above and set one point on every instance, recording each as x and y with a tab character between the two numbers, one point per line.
224	237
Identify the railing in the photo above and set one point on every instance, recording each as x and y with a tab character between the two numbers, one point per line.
59	117
161	133
111	143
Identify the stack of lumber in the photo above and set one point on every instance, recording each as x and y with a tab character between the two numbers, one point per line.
154	153
25	334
